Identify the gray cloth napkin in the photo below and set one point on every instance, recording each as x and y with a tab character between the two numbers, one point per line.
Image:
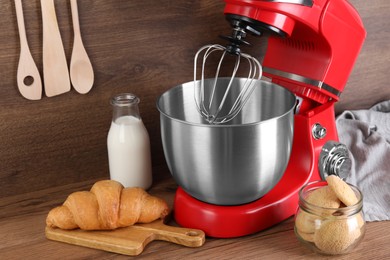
366	133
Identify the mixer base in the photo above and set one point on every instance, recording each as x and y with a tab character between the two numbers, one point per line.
232	221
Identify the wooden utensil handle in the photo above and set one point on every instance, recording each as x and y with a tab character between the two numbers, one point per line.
75	17
20	20
178	235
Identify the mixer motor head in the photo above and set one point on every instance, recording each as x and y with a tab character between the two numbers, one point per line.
312	44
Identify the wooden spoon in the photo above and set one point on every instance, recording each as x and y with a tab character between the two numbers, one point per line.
81	71
28	78
55	67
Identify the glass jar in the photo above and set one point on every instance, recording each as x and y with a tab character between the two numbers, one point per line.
128	144
329	230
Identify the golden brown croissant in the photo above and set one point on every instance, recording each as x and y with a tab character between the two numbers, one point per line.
107	206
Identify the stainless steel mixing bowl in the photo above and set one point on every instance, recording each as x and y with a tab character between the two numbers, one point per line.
234	163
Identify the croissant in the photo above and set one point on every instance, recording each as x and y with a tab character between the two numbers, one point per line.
108	205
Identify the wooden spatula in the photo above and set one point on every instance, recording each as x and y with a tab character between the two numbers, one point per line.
28	78
130	240
55	67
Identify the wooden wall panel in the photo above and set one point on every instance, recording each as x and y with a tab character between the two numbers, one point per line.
144	47
368	83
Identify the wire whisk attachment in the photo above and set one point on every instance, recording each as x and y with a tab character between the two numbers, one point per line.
223	108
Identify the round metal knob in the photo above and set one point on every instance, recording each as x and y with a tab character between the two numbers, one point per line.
334	159
318	131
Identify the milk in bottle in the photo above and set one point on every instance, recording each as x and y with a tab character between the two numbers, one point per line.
128	144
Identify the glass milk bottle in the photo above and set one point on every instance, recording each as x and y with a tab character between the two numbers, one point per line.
128	144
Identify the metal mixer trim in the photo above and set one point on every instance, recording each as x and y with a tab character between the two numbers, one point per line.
299	78
299	2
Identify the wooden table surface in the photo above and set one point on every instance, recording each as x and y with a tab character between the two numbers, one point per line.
22	224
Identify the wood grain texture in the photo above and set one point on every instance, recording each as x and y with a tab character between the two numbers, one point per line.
130	240
22	225
144	47
368	83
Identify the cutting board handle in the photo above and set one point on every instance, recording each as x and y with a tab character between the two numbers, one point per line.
178	235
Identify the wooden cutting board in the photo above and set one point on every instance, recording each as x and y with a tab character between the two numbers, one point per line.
130	240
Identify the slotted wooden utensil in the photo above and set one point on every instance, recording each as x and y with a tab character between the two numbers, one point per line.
81	71
28	77
129	240
55	67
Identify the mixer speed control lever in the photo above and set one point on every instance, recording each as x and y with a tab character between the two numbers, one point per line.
334	159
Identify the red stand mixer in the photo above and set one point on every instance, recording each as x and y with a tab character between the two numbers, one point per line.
312	47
